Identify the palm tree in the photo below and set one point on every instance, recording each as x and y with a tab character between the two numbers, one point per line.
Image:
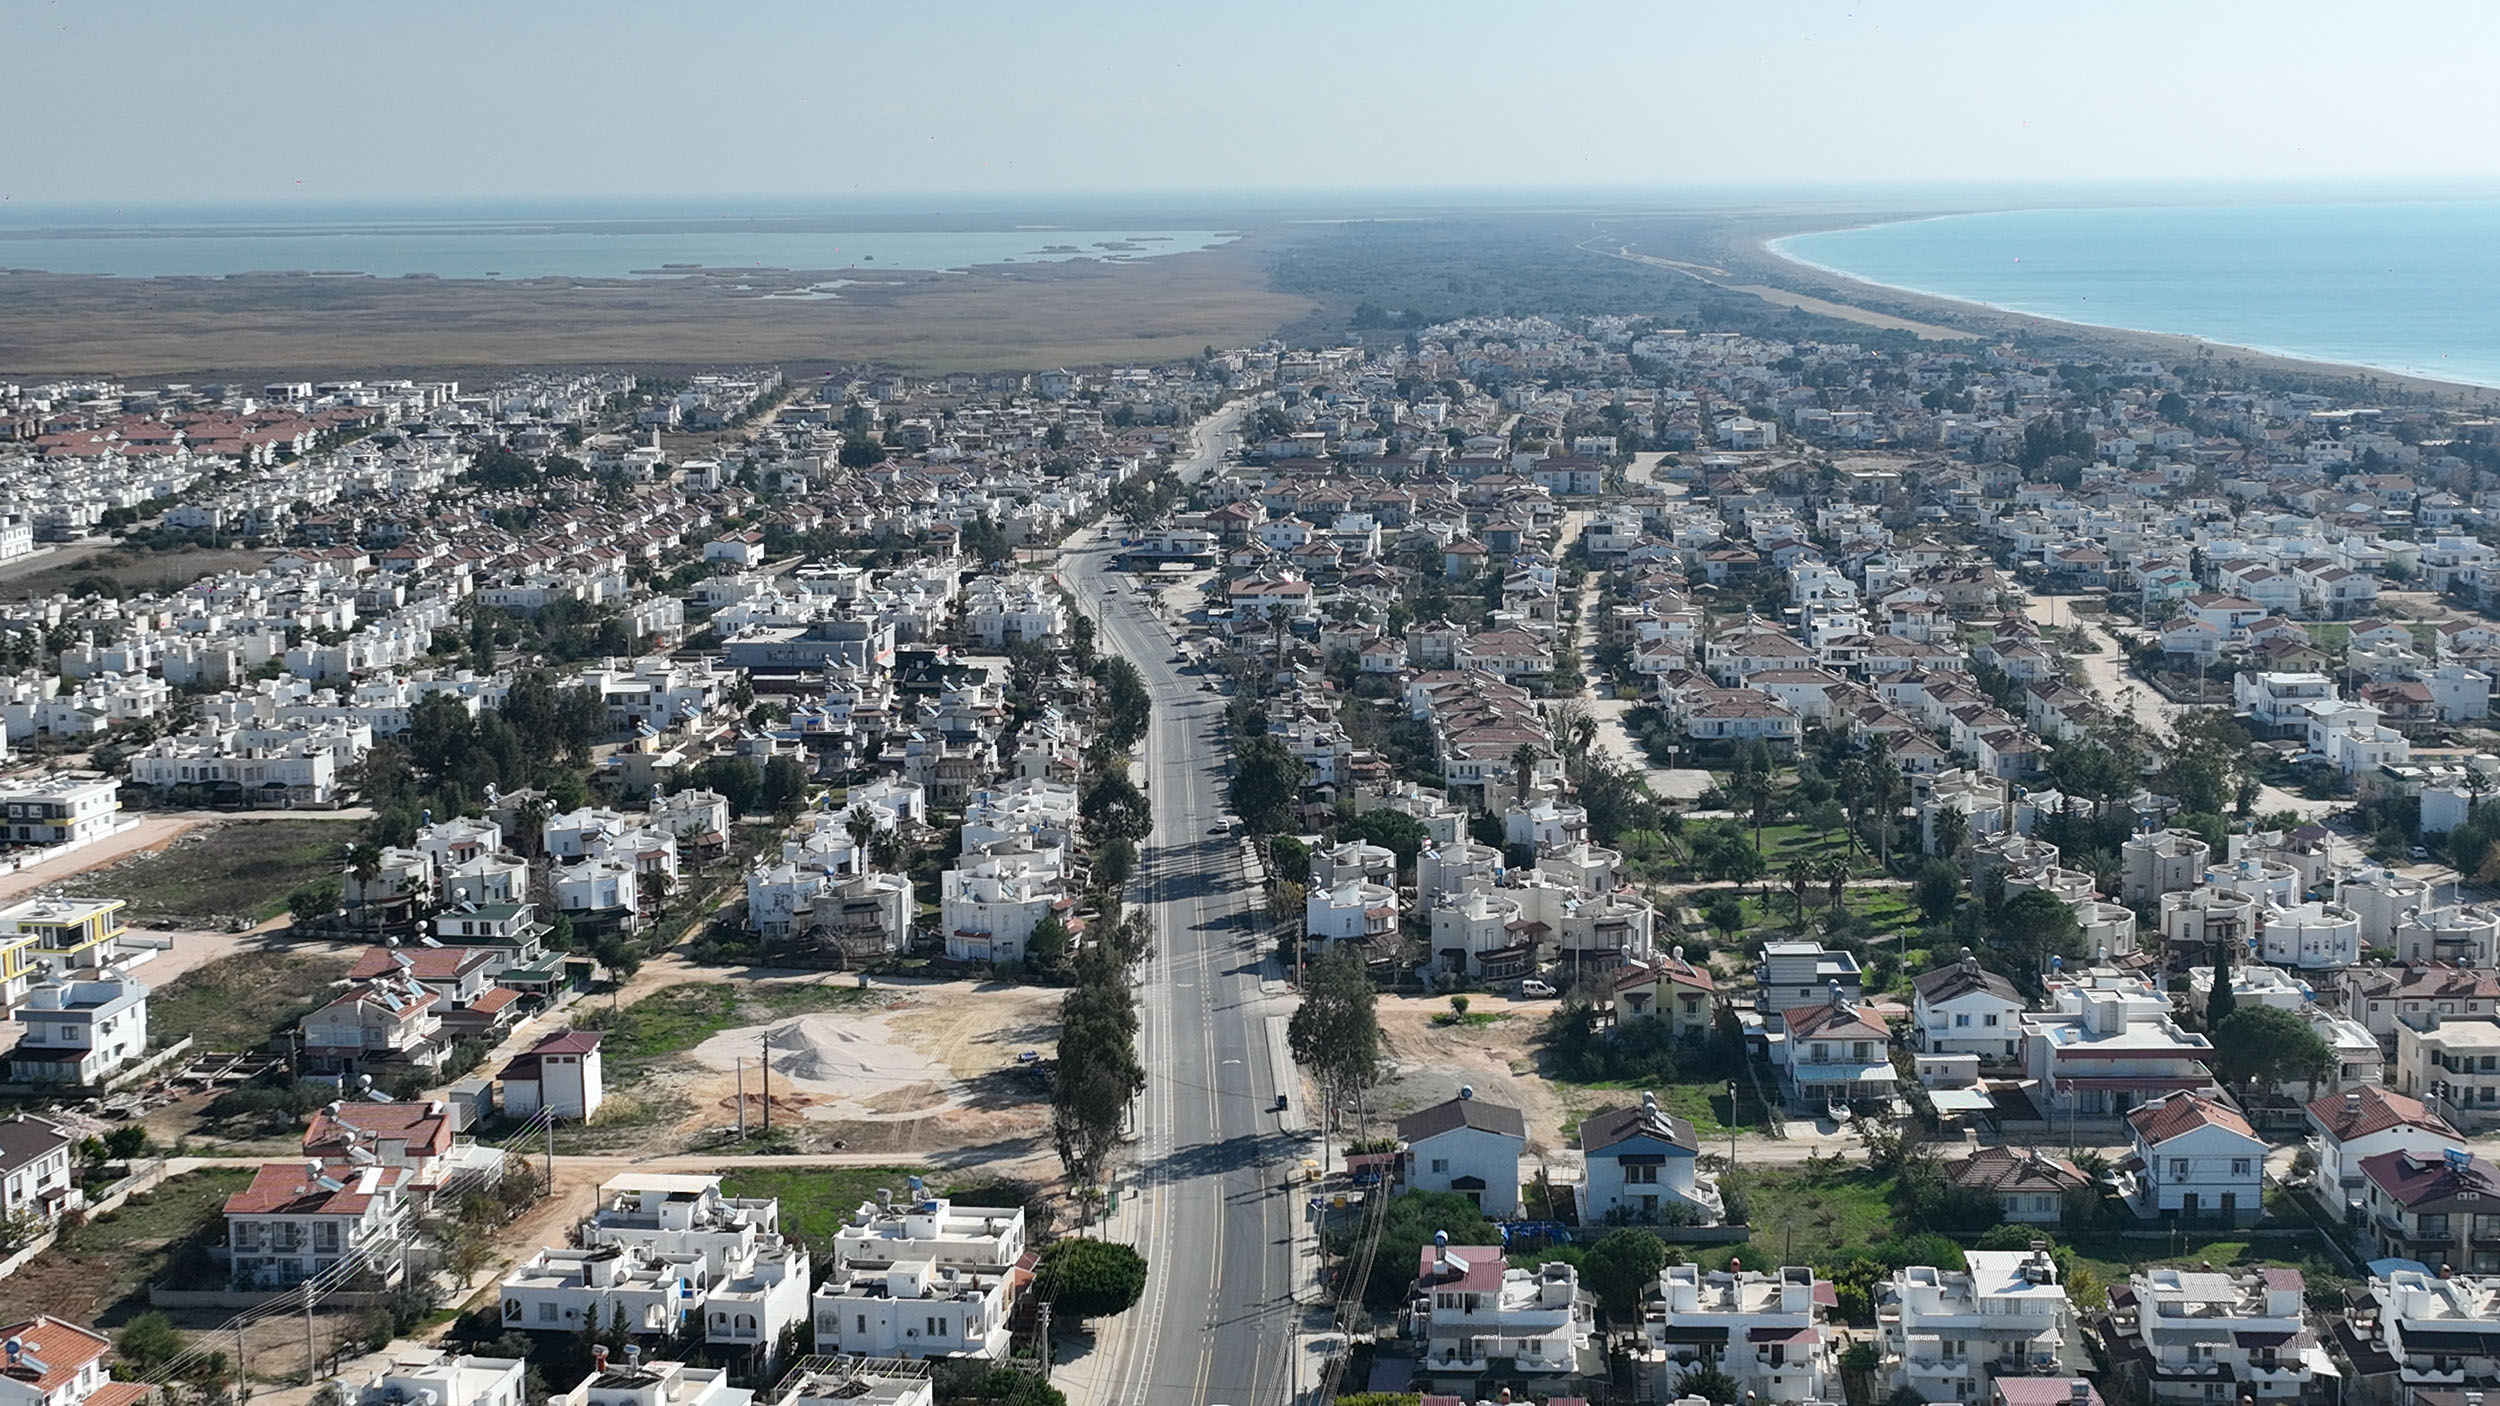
1951	827
1800	879
862	828
1279	619
1523	759
1884	788
1835	880
887	849
1851	783
1671	828
1755	786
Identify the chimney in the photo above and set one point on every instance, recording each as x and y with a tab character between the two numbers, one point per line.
598	1359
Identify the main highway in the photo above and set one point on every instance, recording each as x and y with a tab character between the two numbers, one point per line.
1204	1197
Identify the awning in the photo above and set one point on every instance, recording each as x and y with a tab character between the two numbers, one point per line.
1843	1074
1961	1100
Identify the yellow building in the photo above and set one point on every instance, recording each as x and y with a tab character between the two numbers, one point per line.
68	934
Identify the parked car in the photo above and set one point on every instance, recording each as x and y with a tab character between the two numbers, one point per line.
1535	990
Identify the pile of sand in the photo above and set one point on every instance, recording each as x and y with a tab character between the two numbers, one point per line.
850	1060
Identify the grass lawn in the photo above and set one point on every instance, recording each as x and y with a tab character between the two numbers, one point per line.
1884	910
241	1002
816	1201
1705	1107
240	869
678	1018
2114	1257
101	1270
1806	1215
1474	1020
2329	636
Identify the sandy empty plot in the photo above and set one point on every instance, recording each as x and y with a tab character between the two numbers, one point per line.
854	1063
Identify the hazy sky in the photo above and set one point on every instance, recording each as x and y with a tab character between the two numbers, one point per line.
110	102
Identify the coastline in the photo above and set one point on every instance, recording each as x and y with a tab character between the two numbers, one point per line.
1882	303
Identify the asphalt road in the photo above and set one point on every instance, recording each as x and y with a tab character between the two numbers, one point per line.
1206	1201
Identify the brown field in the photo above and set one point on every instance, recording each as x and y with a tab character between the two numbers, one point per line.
129	570
1042	315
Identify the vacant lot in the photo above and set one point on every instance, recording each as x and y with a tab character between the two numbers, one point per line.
99	1272
903	1070
241	1002
1812	1214
124	571
240	869
674	1020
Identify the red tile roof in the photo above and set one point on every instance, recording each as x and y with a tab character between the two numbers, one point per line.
64	1349
1482	1273
2374	1110
424	963
2180	1114
290	1188
425	1126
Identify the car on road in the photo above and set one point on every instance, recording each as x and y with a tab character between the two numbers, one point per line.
1534	990
2418	854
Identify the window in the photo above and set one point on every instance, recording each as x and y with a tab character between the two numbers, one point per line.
938	1328
1990	1019
2432	1225
2178	1168
2239	1166
1641	1176
1441	1164
1961	1021
863	1323
547	1311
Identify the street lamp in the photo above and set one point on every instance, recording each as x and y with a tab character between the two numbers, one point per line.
1731	1125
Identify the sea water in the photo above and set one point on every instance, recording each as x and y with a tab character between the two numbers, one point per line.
175	245
2410	287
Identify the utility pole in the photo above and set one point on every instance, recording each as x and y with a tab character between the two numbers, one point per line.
766	1040
312	1364
549	1119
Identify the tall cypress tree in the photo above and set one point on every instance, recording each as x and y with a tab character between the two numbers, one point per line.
2219	1003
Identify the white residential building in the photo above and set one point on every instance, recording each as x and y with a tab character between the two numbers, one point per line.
567	1291
300	1219
1947	1334
1466	1146
2189	1337
1966	1009
2194	1158
1472	1311
452	1379
80	1031
1764	1330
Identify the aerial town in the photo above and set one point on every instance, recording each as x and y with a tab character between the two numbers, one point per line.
1517	860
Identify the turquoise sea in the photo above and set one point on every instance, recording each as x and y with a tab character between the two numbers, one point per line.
545	248
2406	287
